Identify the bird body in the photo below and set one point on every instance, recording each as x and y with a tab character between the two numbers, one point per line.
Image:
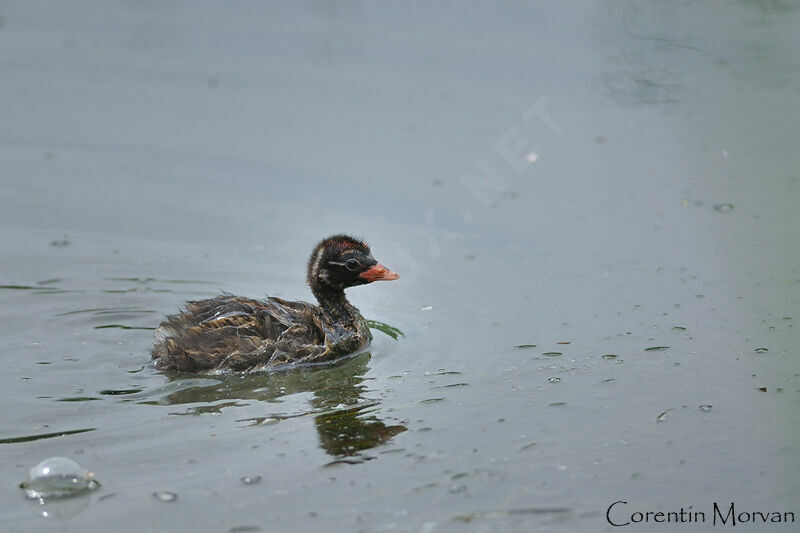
236	333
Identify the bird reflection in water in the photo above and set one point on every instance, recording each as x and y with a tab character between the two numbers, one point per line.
343	415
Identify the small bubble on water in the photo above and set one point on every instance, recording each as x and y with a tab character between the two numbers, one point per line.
165	496
554	380
250	480
705	407
57	477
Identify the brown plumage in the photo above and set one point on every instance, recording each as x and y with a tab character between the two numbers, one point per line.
231	332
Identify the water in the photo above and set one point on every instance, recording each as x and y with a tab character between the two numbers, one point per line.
618	176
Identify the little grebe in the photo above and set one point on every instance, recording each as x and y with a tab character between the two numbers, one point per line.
230	332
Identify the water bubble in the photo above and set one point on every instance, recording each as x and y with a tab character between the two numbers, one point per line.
705	407
165	496
250	480
553	380
57	477
457	488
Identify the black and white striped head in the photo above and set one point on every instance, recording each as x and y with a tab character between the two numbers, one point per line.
341	261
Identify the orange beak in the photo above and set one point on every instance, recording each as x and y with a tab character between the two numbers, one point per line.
378	273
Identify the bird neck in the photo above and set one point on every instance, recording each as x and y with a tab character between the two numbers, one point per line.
335	303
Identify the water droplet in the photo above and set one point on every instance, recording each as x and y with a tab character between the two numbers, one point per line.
57	477
251	480
554	380
705	407
723	208
165	496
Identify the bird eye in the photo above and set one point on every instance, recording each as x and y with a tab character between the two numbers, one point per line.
352	264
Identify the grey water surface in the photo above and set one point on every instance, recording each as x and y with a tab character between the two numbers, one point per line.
592	206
